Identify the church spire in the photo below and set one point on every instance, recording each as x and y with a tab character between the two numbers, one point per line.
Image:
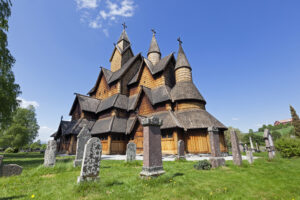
154	54
182	67
123	41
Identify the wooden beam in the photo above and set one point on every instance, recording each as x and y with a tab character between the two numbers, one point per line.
109	144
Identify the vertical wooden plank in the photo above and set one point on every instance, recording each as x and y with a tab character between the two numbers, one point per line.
109	144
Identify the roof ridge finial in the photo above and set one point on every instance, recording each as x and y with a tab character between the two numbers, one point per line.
124	26
179	40
153	31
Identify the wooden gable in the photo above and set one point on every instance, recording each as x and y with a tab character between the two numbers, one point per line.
116	61
76	112
104	90
145	107
146	79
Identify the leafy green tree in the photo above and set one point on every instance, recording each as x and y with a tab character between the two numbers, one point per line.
22	131
9	90
250	130
255	138
275	135
296	121
227	135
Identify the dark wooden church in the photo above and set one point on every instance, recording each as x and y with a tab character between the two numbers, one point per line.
136	86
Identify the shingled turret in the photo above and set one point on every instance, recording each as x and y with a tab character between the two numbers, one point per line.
154	54
182	67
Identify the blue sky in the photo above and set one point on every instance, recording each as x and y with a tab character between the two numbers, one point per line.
244	54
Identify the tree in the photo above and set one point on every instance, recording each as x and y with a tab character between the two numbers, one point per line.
255	138
295	121
227	135
22	131
9	90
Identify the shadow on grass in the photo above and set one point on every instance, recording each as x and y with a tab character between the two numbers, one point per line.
177	174
25	163
109	184
12	197
22	155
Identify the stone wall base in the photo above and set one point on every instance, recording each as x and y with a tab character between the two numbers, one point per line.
77	163
217	162
152	171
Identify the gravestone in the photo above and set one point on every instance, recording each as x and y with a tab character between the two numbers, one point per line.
272	147
131	152
236	153
180	150
215	159
249	155
82	138
90	166
251	144
10	169
246	147
50	153
241	147
257	148
152	158
268	146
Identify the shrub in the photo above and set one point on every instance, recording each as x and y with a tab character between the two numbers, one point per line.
9	150
203	165
288	147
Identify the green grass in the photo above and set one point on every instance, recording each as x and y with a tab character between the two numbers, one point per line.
283	131
276	179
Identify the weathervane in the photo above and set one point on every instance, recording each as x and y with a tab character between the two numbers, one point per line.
124	26
153	31
179	40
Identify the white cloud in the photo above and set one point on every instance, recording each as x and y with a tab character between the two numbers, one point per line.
101	16
235	119
87	4
24	103
45	132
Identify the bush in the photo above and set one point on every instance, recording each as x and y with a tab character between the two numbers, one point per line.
288	147
9	150
203	165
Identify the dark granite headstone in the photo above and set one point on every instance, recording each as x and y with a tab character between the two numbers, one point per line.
215	160
50	154
131	152
180	150
11	170
82	138
90	167
152	158
236	153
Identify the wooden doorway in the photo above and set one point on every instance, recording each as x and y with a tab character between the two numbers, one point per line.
197	141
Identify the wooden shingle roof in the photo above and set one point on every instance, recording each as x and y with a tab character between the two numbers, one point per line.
186	91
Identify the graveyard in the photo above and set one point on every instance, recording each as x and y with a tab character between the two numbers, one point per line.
264	179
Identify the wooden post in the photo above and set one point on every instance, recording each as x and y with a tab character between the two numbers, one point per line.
109	144
175	135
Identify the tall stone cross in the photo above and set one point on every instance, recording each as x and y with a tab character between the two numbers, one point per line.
152	158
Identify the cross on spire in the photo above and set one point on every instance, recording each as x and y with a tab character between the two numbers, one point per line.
153	31
179	40
124	26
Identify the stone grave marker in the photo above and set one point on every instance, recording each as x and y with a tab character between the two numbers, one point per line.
50	154
180	150
249	155
131	152
82	138
268	146
90	166
272	147
251	144
152	158
241	147
236	153
10	169
257	148
215	159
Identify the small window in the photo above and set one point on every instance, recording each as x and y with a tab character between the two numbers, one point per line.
163	135
170	135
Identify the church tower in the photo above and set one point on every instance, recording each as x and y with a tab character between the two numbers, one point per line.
154	54
182	67
122	51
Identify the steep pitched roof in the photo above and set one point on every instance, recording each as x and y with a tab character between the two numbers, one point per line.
107	75
157	95
181	59
153	46
124	36
127	48
117	101
111	124
86	103
186	90
79	124
197	118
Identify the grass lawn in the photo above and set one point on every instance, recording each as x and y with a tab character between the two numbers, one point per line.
277	179
283	131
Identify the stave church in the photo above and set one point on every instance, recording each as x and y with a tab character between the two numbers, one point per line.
135	87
